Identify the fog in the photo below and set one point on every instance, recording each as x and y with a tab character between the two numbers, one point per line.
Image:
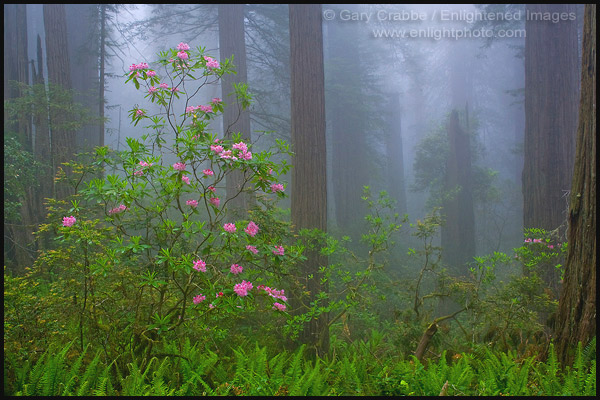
452	111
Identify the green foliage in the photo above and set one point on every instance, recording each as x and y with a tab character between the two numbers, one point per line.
365	367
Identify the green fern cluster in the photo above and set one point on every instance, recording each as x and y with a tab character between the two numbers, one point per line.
359	368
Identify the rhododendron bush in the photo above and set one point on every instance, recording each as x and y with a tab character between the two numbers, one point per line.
150	246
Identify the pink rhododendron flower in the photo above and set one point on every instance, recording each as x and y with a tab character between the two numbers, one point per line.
240	146
145	164
246	155
215	201
229	228
226	154
183	55
220	294
151	73
211	306
183	46
252	249
278	306
242	288
140	113
152	89
138	173
208	172
276	187
216	148
192	203
119	209
179	166
279	251
186	179
69	221
212	189
251	229
164	85
200	265
206	109
132	67
550	246
142	65
211	63
199	299
236	269
216	100
278	294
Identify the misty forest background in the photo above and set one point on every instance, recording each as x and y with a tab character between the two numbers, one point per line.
438	217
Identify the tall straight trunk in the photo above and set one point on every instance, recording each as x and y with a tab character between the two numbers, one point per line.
62	139
395	155
347	118
551	95
576	318
83	56
235	120
458	232
102	78
42	150
309	174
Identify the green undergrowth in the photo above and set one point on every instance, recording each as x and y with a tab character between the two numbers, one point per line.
359	368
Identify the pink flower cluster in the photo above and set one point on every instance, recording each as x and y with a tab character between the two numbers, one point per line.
139	172
251	229
183	46
236	269
278	294
140	113
252	249
215	201
208	172
242	288
211	63
200	265
229	228
69	221
199	299
191	109
276	187
179	166
186	179
119	209
192	203
278	306
279	251
134	67
244	154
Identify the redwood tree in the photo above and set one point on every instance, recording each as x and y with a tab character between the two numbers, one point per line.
551	90
63	148
309	175
235	119
576	318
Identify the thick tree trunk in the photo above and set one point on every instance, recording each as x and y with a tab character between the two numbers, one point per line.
458	232
551	90
395	155
83	56
309	174
62	140
348	142
576	318
235	120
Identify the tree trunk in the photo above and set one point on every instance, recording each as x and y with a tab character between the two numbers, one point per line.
458	232
551	90
395	155
576	318
235	120
309	174
83	56
62	140
348	143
